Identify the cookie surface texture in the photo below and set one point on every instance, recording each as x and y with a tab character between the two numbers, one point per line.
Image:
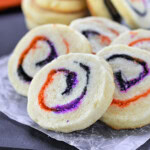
130	106
71	93
39	47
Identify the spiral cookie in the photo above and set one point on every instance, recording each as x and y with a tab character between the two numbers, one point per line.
135	12
42	16
103	8
130	105
64	6
99	31
71	93
39	47
138	38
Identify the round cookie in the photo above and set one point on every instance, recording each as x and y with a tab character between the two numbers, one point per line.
43	16
71	93
39	47
131	102
103	8
135	12
63	6
99	31
138	38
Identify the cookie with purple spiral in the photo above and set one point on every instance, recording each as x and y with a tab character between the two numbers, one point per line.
38	48
131	101
99	31
71	93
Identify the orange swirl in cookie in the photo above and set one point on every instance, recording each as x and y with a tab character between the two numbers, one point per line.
127	102
33	46
142	40
71	80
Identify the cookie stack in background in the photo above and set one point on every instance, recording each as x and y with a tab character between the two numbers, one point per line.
134	12
38	12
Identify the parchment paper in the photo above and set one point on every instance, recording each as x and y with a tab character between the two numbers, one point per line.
97	137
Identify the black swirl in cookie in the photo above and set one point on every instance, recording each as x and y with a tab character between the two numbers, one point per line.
88	33
105	40
124	84
112	10
142	2
53	54
71	80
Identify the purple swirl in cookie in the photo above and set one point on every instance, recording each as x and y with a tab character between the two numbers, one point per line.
71	79
121	80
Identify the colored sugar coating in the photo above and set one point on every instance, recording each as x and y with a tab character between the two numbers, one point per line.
53	54
143	2
124	85
71	83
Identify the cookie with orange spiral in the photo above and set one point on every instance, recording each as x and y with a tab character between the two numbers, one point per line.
136	38
99	31
71	93
131	101
39	47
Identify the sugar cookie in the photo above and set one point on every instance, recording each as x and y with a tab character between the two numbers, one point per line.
39	47
135	12
71	93
99	31
138	38
64	6
42	16
131	102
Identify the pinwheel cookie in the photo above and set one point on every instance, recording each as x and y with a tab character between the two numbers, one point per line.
64	6
103	8
135	12
39	47
138	38
99	31
71	93
131	102
41	16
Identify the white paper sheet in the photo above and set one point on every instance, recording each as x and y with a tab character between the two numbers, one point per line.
97	137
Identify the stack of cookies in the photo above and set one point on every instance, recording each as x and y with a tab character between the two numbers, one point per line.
93	70
135	12
38	12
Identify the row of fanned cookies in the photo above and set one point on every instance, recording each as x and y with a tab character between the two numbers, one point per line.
73	76
136	13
